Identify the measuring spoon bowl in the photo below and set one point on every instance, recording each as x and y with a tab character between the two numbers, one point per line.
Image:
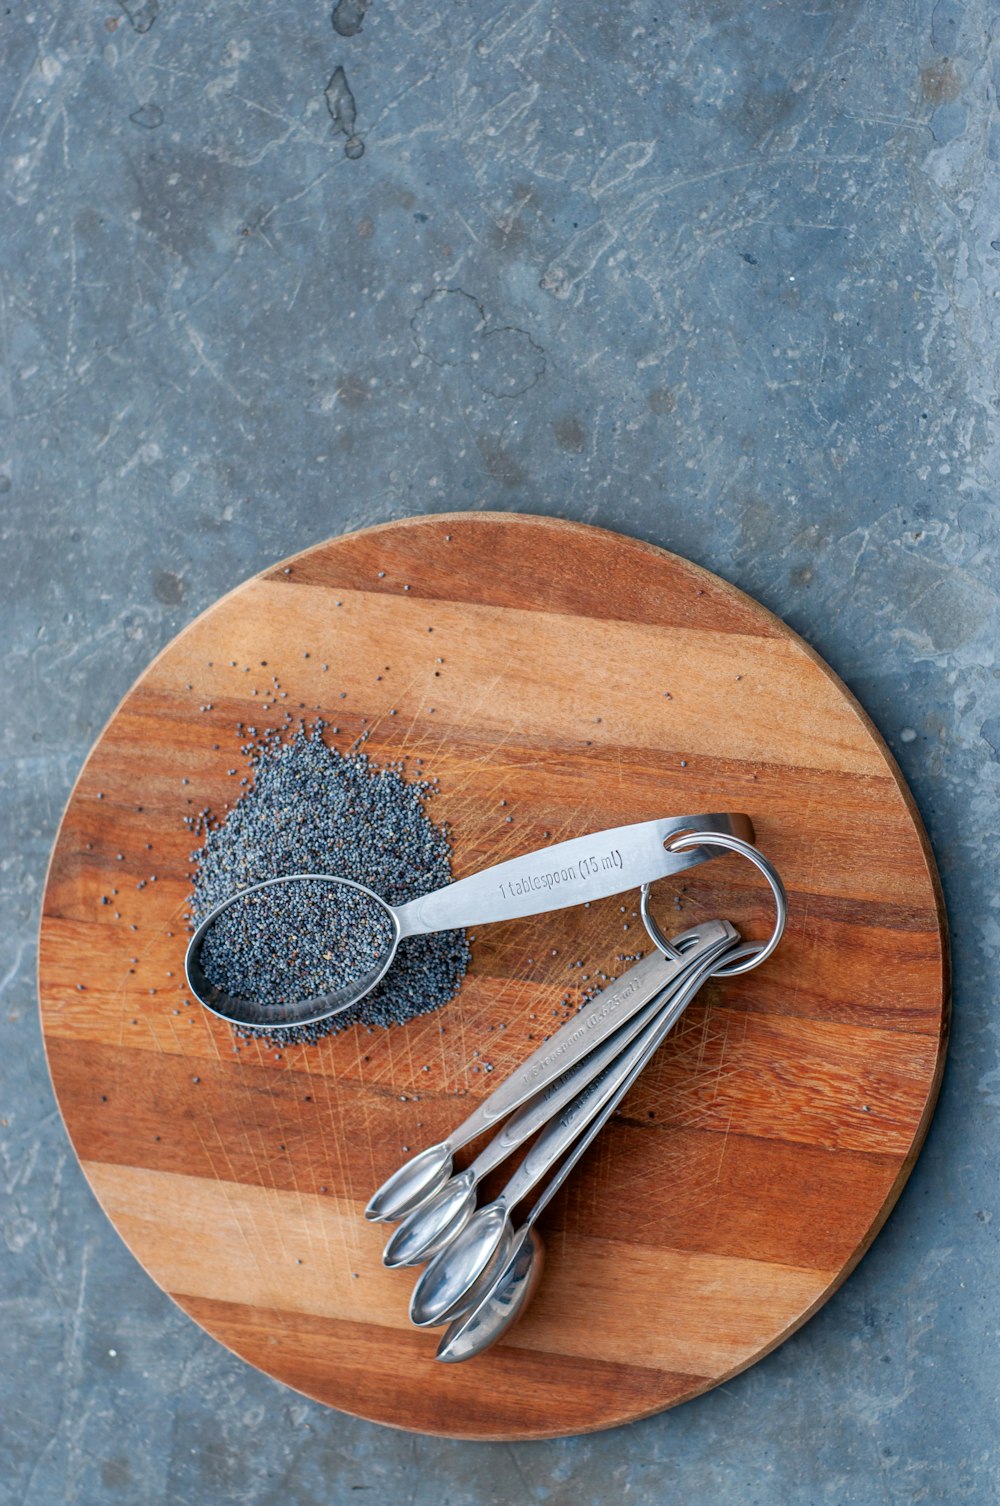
434	1223
249	909
499	1306
416	1180
447	1282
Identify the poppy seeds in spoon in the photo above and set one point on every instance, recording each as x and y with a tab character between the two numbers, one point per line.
295	941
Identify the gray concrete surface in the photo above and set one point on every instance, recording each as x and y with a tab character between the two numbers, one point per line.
721	274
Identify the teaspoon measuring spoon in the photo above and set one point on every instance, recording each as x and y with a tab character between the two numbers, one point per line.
550	878
423	1174
482	1247
504	1299
498	1302
438	1219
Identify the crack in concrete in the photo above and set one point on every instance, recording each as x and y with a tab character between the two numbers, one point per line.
459	337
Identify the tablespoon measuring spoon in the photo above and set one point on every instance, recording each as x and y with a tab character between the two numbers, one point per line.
423	1174
482	1247
439	1218
550	878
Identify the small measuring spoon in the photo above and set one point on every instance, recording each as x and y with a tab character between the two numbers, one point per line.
500	1304
550	878
501	1295
439	1218
482	1247
510	1280
423	1174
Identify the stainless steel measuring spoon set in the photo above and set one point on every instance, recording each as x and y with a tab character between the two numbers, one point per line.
482	1270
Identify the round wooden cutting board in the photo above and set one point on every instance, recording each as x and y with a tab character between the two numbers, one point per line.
587	680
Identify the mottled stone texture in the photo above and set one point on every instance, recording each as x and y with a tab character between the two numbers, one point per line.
720	274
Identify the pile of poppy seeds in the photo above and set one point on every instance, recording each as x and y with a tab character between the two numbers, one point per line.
312	809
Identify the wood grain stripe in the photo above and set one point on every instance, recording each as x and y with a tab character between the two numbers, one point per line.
246	1127
318	1256
517	661
556	567
342	1364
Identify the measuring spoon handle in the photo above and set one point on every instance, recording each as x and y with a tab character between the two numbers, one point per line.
543	1106
610	1087
567	873
596	1021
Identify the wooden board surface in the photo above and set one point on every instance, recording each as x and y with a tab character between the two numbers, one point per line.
588	680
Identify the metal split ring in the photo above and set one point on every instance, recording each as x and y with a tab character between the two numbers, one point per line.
753	953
